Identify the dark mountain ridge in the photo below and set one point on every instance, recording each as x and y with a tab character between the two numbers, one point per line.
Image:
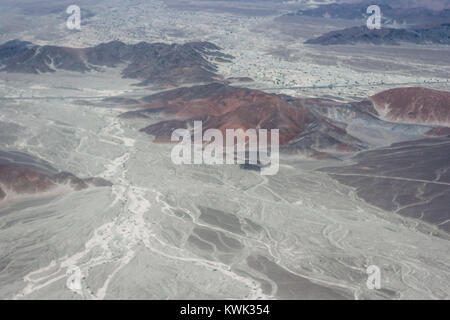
153	63
436	34
417	14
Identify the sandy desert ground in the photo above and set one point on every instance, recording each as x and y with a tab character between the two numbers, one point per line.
202	232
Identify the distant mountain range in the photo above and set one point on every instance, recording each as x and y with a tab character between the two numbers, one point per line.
391	11
153	63
418	22
438	34
429	4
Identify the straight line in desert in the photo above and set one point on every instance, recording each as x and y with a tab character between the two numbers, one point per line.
387	177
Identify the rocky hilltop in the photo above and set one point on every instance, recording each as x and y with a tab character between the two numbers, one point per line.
223	107
22	174
414	105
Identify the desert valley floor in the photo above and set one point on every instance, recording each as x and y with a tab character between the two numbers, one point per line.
163	231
